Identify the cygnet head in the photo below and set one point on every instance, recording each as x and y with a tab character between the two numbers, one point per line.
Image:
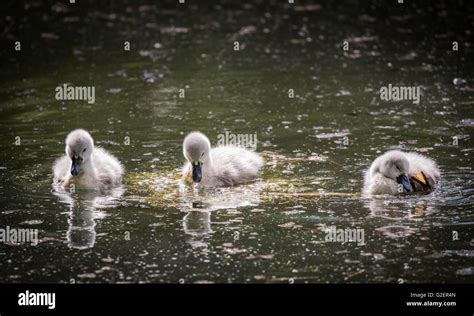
196	148
394	165
79	146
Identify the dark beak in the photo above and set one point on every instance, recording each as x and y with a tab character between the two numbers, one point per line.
403	180
76	165
197	173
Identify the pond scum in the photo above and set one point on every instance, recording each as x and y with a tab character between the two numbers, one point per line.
166	189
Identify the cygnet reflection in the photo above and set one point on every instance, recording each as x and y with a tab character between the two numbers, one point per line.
84	209
198	205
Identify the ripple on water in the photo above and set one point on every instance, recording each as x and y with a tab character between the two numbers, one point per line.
396	231
465	271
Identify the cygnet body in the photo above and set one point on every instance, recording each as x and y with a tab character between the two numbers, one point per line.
86	166
220	166
397	172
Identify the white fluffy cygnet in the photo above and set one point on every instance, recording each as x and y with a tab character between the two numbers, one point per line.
86	166
220	166
397	172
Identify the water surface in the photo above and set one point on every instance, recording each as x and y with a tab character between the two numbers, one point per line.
316	145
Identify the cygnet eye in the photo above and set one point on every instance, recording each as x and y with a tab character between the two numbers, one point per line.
84	150
202	154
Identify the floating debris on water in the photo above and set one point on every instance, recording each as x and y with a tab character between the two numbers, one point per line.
458	81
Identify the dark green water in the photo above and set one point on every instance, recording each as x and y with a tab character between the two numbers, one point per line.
149	230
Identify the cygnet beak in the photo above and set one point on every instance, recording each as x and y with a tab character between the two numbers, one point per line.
76	165
403	180
197	172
